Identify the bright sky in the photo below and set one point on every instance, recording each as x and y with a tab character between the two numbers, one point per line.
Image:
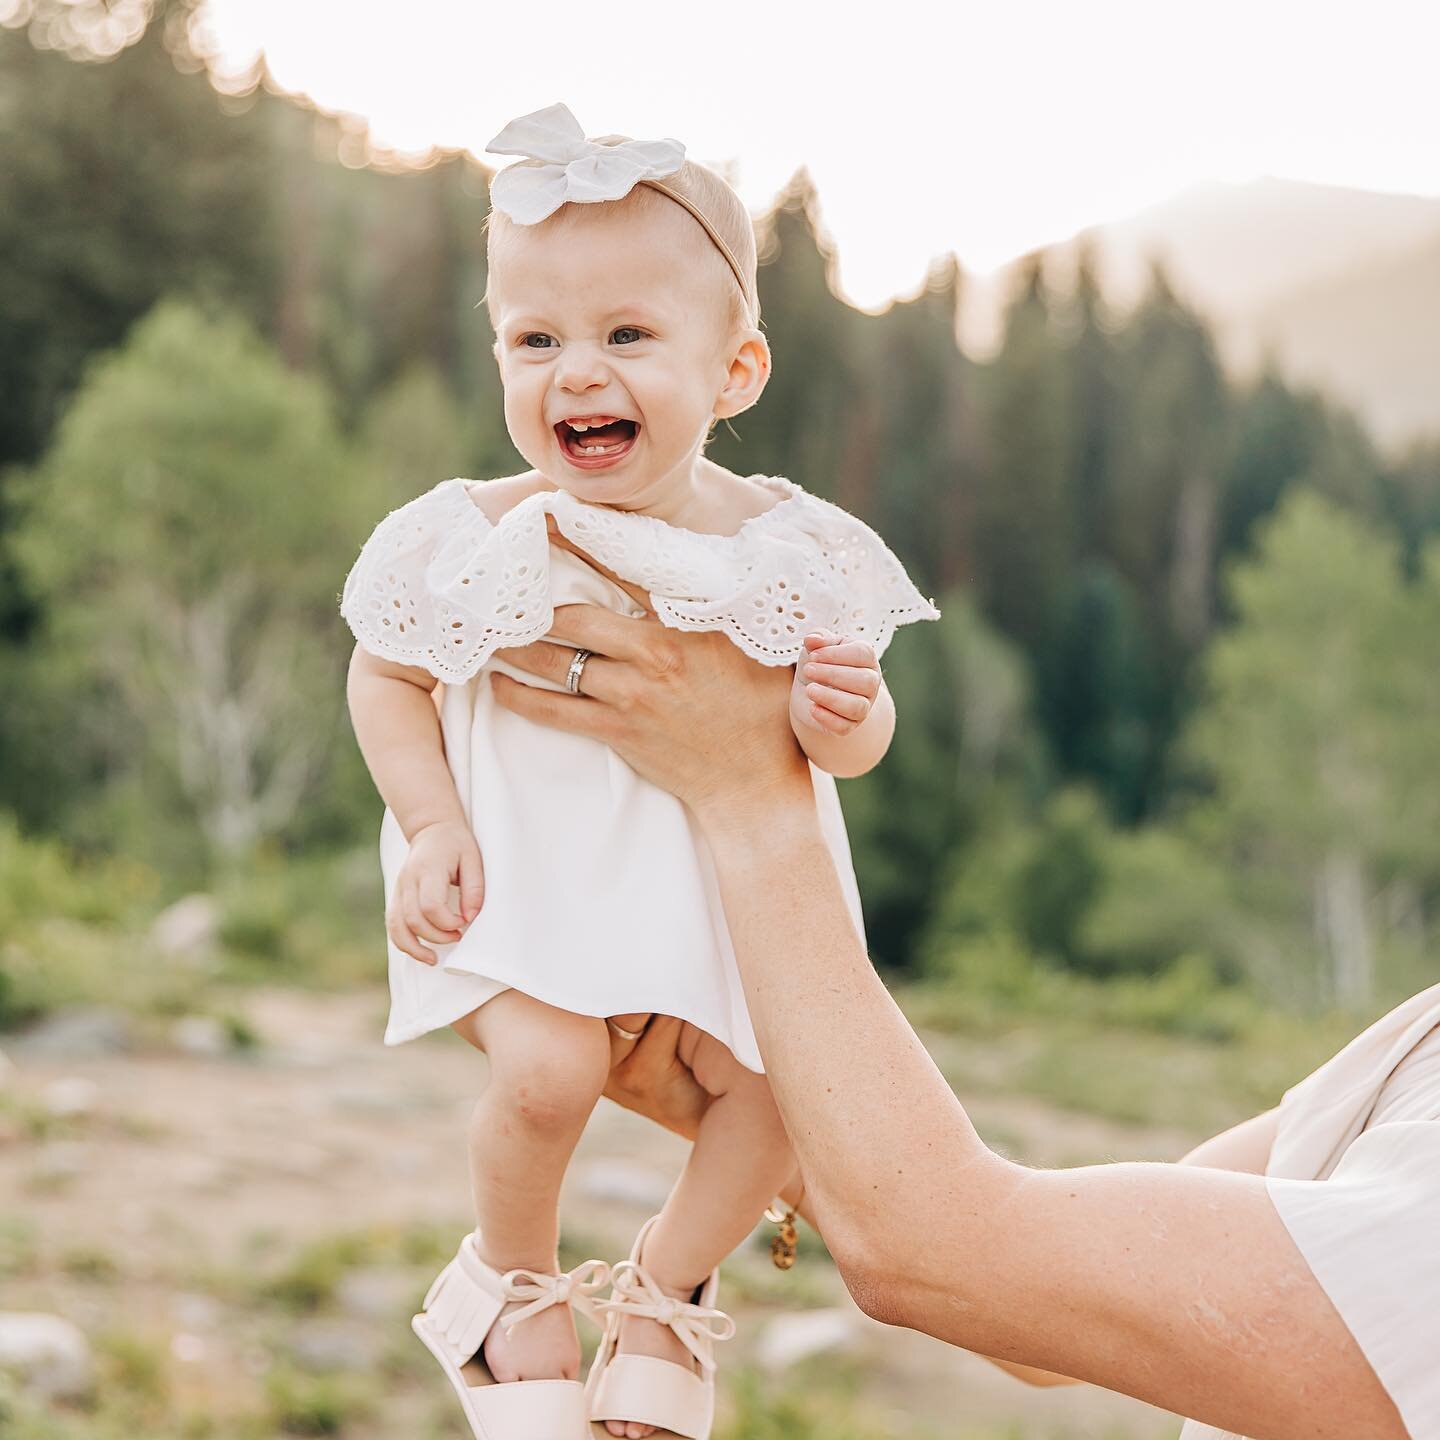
987	129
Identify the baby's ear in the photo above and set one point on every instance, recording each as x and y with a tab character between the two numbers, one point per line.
749	373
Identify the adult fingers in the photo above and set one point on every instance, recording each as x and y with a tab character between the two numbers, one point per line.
620	1045
654	1053
563	542
843	677
653	1081
603	632
552	662
577	713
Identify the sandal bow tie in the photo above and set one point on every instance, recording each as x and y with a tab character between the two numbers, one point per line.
635	1293
574	1287
574	168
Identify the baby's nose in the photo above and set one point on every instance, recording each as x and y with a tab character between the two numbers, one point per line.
580	370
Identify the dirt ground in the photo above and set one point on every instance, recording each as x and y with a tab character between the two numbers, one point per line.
178	1175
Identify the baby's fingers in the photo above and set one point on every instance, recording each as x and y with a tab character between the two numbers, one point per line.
403	938
845	652
842	677
826	719
472	884
435	904
840	702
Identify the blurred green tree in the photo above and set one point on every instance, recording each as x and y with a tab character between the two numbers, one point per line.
1024	528
969	753
121	180
185	534
1313	732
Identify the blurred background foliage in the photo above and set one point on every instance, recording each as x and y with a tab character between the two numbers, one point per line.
1172	735
1158	832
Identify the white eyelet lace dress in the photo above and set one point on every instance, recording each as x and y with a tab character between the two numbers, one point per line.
600	892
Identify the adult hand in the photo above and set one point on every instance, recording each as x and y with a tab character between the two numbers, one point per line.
687	710
649	1077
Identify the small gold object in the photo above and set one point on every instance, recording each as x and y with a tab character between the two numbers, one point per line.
783	1243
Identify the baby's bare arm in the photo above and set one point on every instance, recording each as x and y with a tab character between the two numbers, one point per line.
398	731
856	753
840	708
393	712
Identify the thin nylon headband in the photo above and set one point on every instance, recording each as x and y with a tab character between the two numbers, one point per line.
714	234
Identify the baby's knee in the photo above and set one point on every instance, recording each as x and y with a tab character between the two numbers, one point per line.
553	1082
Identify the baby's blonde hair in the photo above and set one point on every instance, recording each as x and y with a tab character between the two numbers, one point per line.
700	188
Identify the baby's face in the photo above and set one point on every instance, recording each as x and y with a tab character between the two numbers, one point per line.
611	319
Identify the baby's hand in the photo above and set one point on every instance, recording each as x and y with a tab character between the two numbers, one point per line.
836	683
442	856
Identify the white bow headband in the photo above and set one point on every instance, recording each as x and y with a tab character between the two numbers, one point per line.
580	171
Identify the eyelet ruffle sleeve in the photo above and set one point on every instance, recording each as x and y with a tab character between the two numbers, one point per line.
439	586
811	566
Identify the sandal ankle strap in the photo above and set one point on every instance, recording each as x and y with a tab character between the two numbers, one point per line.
573	1287
634	1292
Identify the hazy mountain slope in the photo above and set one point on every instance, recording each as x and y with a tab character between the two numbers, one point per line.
1340	286
1371	337
1236	248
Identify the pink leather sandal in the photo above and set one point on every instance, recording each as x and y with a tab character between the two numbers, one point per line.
644	1388
461	1308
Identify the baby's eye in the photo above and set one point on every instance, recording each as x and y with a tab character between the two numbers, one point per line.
535	335
628	330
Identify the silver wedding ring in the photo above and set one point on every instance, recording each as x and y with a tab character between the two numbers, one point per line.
576	670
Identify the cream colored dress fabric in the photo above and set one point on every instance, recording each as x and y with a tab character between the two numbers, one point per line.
601	896
1355	1176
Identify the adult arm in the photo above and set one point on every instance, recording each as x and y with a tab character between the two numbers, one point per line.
1244	1147
1177	1284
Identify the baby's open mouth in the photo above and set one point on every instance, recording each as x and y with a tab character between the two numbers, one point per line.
600	437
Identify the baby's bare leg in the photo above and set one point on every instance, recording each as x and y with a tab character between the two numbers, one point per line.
547	1069
740	1160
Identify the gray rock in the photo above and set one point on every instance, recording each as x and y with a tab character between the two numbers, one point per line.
383	1295
788	1339
327	1345
621	1182
71	1095
189	1348
187	929
47	1354
195	1312
204	1173
62	1160
200	1035
75	1031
